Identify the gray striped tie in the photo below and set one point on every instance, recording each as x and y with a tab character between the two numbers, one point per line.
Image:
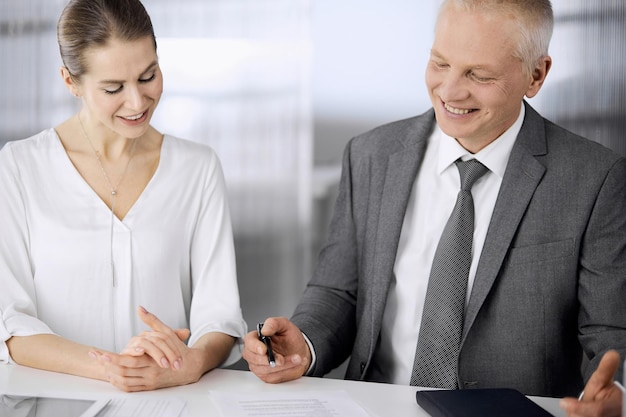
437	352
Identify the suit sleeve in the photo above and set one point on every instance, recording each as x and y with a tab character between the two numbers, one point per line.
602	279
326	313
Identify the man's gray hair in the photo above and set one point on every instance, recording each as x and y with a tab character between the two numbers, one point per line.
535	21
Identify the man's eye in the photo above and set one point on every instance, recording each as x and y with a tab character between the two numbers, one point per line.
481	79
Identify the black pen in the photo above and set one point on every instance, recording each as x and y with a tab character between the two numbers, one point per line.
268	345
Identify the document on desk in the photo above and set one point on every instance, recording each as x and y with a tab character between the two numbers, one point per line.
20	406
287	404
145	407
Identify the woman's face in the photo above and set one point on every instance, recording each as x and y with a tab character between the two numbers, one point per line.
122	86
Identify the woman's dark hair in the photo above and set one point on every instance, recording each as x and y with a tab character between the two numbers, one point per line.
86	24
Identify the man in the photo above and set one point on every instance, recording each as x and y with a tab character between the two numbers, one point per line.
547	276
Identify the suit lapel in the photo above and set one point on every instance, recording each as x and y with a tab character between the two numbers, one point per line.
522	176
401	170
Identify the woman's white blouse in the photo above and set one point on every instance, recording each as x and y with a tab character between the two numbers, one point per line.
173	252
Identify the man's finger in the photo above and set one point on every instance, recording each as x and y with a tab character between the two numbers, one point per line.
608	366
603	376
274	325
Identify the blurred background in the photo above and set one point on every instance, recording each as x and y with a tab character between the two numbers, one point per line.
278	87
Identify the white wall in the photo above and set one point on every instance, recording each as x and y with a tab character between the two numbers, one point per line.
369	58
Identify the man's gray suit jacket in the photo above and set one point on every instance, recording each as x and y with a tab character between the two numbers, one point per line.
551	279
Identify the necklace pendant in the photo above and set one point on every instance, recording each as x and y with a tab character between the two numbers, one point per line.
97	154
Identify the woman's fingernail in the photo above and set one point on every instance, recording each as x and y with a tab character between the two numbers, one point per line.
177	364
142	309
138	349
165	363
93	355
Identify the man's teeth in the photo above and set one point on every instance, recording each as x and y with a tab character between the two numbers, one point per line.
138	116
455	110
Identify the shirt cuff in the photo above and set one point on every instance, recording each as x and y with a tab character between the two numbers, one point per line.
313	357
617	384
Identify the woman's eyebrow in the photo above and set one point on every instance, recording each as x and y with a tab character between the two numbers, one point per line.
150	67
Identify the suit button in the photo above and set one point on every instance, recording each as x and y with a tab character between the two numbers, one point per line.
362	367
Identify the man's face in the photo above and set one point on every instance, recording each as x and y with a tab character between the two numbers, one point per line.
475	83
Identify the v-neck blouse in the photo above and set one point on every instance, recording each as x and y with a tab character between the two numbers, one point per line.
172	253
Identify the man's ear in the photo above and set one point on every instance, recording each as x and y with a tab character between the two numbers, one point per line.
69	82
539	75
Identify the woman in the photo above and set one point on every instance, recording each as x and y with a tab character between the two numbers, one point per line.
115	237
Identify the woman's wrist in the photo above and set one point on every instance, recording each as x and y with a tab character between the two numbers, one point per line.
212	349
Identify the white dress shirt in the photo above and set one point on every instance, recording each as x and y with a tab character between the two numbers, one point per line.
173	252
431	202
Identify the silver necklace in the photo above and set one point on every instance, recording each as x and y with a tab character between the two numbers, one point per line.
104	173
113	189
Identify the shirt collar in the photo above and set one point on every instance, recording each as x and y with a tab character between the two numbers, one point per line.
494	156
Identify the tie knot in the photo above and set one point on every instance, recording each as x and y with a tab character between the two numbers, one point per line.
470	171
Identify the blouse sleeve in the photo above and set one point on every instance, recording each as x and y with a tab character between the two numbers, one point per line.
17	295
215	305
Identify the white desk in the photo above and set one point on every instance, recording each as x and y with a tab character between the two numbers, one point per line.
379	400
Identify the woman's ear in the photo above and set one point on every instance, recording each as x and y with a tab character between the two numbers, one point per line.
69	82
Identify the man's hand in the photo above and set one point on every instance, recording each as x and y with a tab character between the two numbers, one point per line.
291	351
602	396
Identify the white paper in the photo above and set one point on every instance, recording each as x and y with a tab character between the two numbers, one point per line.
146	407
287	404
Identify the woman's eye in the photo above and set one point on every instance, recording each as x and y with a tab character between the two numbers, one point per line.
147	80
117	90
141	80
